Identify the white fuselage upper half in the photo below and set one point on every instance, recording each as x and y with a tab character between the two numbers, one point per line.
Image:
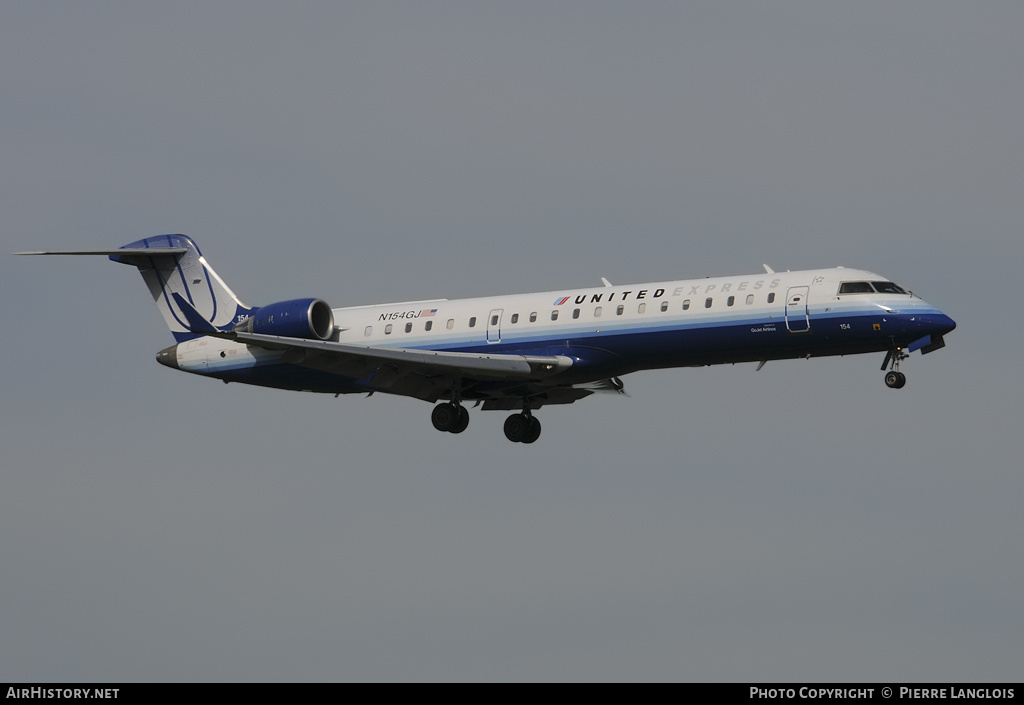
593	312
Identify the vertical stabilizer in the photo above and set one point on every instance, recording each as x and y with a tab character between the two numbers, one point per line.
174	270
172	266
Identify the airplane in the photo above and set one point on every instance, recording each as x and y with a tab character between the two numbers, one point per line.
524	351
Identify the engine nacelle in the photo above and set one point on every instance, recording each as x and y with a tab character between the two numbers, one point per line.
298	318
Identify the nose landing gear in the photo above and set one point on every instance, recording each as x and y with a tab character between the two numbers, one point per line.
894	379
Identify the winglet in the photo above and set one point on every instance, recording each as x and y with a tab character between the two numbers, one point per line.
768	269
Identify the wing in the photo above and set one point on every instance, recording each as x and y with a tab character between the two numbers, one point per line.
500	381
352	360
429	374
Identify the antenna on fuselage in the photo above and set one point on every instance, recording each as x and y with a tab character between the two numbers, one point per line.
768	269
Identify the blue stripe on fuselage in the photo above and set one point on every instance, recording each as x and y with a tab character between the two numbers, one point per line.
611	350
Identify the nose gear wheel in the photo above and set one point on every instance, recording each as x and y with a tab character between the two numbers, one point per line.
894	379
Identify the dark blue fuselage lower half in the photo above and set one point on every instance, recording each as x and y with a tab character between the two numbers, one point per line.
600	354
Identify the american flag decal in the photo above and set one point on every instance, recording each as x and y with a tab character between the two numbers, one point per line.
428	312
559	302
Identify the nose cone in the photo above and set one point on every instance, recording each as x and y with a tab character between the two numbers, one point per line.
941	323
168	357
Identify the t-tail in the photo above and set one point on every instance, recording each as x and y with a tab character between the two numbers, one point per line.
180	281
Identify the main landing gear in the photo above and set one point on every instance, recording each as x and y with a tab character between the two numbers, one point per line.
450	417
522	428
894	379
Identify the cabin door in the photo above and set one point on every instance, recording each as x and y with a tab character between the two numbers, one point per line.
797	318
494	326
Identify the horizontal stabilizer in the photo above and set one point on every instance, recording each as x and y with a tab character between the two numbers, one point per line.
149	252
141	257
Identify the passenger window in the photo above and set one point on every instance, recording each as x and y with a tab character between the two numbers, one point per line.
387	329
750	299
472	322
533	317
428	325
408	327
450	324
619	310
771	298
515	318
597	312
707	302
368	332
575	313
554	315
686	305
494	320
641	308
664	305
730	301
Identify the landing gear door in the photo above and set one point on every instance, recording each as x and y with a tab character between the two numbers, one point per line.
494	326
797	318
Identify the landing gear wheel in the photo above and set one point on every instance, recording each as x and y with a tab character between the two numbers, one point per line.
445	416
895	380
516	427
462	422
520	428
533	432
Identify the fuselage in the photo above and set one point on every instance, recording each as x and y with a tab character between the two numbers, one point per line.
613	330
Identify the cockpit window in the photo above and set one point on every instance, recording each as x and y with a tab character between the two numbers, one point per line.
888	288
855	288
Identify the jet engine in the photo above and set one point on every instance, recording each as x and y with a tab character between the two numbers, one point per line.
298	318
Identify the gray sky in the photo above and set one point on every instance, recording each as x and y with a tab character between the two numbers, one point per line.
800	523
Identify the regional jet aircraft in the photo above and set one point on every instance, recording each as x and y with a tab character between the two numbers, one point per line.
524	351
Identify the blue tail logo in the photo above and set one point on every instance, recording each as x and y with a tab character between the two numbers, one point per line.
175	271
